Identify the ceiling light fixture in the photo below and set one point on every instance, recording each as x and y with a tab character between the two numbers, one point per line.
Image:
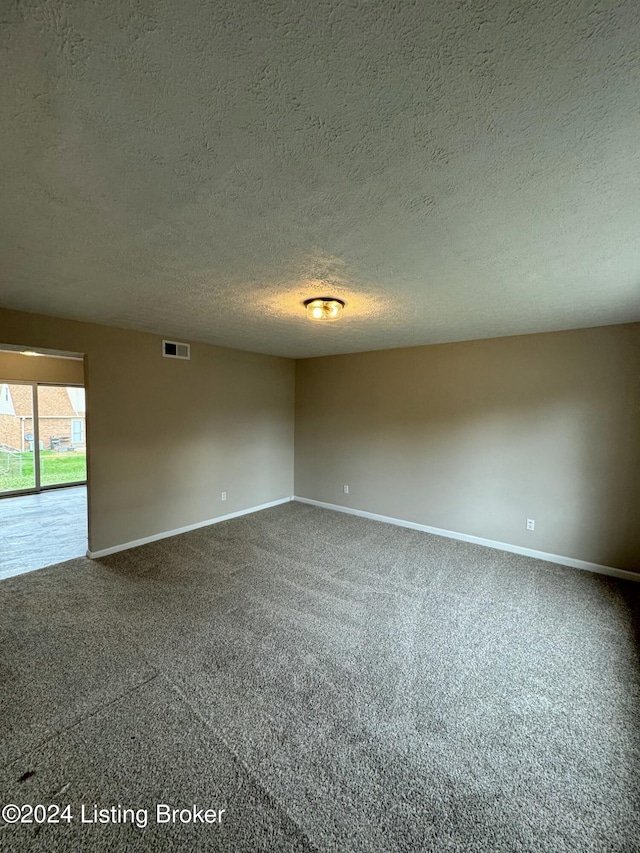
324	308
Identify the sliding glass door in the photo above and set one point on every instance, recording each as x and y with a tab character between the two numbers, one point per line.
42	437
17	462
61	432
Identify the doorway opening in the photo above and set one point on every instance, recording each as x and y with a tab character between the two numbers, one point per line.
43	459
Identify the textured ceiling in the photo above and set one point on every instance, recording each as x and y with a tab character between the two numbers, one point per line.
452	170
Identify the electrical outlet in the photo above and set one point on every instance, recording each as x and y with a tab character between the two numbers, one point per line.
345	489
531	524
223	496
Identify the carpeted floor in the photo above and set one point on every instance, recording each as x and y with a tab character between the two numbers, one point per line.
334	683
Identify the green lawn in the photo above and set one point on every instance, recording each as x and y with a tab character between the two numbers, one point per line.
16	470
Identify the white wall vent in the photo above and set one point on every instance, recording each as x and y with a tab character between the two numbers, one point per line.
172	349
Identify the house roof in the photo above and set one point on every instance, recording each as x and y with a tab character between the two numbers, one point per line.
21	397
53	401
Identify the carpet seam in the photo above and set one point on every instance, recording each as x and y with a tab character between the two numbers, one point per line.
257	782
77	721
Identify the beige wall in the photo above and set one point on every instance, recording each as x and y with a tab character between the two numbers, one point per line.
472	437
14	367
476	437
165	437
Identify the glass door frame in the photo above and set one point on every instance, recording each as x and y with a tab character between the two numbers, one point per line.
36	438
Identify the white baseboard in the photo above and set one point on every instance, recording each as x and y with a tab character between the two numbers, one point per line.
104	552
477	540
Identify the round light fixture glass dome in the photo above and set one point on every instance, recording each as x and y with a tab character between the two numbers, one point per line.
324	308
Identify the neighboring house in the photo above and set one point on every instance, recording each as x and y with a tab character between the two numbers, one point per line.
61	417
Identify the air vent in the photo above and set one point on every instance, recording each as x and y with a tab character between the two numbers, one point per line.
172	349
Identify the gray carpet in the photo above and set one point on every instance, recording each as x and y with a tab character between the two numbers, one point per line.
334	683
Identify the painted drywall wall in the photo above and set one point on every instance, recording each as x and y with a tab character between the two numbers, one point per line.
15	367
476	437
166	436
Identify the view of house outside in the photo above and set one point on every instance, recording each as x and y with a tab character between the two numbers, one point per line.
62	436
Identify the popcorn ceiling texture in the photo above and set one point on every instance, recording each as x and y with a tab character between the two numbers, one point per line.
451	170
